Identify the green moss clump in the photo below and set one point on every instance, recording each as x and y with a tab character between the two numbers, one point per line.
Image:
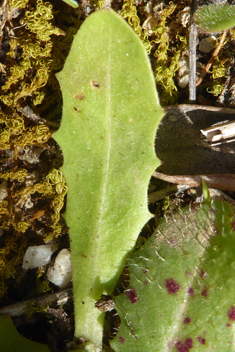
52	191
31	73
218	74
167	63
167	46
33	200
129	12
219	69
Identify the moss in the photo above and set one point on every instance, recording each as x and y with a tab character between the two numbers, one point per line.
33	307
56	179
219	69
52	190
167	63
34	40
19	4
167	47
28	66
129	12
42	284
10	257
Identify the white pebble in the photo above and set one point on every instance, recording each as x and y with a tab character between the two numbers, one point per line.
36	256
183	72
3	191
183	81
207	44
60	273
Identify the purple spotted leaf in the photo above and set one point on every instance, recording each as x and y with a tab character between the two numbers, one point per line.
181	295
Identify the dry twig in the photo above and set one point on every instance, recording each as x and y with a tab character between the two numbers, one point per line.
213	56
17	309
226	182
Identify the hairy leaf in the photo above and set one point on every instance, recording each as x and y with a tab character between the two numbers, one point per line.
215	17
11	340
110	116
181	296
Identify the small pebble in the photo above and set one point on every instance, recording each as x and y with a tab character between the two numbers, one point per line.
3	191
183	73
36	256
207	44
60	273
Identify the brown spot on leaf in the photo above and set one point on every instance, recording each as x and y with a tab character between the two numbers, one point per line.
205	292
184	347
203	274
145	283
121	339
231	313
79	96
95	84
190	291
228	325
211	211
201	340
172	286
187	273
233	225
187	320
132	295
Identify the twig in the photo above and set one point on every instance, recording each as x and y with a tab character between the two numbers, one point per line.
226	182
17	309
220	133
28	112
166	192
214	54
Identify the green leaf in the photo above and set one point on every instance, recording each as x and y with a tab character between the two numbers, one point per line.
11	340
182	293
110	116
215	17
72	3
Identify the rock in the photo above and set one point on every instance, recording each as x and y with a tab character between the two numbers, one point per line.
207	44
60	273
36	256
3	191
